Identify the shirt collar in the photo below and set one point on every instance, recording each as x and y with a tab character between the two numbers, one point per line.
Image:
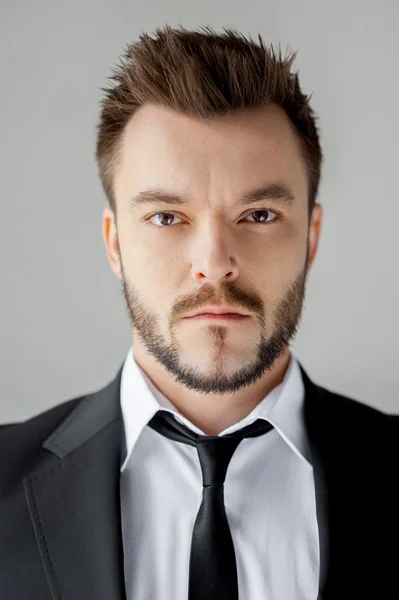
282	407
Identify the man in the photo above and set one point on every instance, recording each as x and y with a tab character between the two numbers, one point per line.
211	466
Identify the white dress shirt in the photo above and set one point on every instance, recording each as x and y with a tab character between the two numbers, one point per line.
269	497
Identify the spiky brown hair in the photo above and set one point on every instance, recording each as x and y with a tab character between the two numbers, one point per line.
202	74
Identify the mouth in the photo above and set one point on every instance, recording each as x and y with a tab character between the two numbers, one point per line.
215	317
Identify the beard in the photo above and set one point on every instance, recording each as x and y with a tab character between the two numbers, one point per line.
284	321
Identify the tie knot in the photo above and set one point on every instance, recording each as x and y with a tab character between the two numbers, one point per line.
214	452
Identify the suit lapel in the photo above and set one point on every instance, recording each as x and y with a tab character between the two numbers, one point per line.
313	413
74	501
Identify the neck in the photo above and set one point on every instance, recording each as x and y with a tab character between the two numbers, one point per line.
212	413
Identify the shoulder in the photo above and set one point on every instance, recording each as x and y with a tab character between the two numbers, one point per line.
21	442
358	418
327	412
40	422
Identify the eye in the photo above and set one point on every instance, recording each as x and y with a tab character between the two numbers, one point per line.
265	210
259	211
148	220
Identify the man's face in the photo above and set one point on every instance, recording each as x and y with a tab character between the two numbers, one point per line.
212	249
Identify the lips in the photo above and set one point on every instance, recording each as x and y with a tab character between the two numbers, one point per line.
218	310
222	318
218	316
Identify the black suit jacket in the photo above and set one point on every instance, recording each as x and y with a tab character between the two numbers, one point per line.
60	522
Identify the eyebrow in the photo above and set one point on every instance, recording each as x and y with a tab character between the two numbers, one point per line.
276	193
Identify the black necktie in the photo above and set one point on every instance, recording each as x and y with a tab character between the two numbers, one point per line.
213	569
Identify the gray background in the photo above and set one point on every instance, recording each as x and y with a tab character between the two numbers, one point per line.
64	326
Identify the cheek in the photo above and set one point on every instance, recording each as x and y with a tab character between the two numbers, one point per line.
276	266
280	249
153	264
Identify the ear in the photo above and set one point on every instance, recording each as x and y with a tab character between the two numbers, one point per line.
314	232
110	238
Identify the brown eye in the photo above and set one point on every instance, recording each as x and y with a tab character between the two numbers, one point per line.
165	216
264	219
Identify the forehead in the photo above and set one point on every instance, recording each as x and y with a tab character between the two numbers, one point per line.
164	147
